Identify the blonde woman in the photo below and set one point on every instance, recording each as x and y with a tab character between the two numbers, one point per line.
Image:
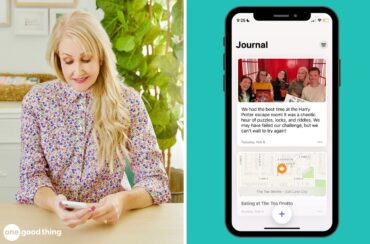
79	131
296	86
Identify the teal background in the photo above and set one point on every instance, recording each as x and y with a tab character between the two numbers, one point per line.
205	118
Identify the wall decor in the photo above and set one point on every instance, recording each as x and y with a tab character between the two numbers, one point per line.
5	13
46	3
31	21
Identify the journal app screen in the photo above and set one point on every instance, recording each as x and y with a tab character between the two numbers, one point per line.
281	127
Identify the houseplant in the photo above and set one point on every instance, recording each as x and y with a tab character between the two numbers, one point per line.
147	38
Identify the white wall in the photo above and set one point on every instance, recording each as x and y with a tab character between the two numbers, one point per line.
26	54
22	54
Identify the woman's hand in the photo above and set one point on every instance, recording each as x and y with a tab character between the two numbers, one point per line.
109	208
71	218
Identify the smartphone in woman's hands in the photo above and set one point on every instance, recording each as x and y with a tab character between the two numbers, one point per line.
71	205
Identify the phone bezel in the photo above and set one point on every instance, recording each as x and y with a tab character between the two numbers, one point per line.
228	119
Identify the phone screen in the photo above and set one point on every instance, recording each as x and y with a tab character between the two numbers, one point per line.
282	155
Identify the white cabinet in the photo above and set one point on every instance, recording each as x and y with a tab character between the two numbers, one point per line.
10	125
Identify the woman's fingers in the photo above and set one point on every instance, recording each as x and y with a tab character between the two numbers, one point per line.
102	212
81	219
106	218
73	218
76	214
58	201
106	213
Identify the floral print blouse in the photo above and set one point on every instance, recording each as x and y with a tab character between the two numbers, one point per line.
58	149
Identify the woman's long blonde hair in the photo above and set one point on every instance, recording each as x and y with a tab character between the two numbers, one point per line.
306	79
111	120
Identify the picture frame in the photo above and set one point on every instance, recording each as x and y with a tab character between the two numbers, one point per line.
31	21
4	13
54	14
46	3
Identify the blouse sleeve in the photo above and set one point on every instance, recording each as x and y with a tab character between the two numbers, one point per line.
146	157
33	164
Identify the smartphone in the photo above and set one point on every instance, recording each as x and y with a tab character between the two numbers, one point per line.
71	205
281	105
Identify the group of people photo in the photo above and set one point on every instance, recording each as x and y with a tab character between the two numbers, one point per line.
268	80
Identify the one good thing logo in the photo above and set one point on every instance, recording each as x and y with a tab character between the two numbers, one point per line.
11	232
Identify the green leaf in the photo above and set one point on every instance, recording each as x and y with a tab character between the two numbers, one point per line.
168	64
166	143
143	68
178	18
178	49
109	25
157	11
142	30
175	92
109	6
160	49
154	64
139	4
160	114
170	129
130	61
149	100
121	17
160	39
161	80
125	43
158	128
152	34
176	111
140	17
151	73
